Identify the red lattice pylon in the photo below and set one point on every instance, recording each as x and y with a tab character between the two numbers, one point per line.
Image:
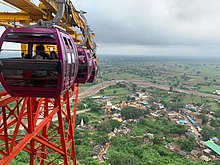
42	127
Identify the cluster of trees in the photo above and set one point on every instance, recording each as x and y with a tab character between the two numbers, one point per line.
162	125
174	106
90	103
215	122
127	150
108	126
217	113
132	112
204	118
80	117
187	144
208	132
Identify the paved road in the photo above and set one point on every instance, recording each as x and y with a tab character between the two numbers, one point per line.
81	111
95	89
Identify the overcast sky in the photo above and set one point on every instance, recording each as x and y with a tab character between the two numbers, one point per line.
154	27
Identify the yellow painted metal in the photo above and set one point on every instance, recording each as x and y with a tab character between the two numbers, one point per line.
24	48
5	24
51	5
90	44
32	13
27	6
18	16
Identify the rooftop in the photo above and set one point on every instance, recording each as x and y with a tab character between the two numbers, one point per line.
182	121
214	147
144	102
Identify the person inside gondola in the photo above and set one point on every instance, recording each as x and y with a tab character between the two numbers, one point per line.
27	73
22	54
40	53
53	55
27	56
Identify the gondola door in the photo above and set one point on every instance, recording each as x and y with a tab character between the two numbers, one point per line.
70	60
67	64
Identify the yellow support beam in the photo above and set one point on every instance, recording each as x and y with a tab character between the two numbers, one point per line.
5	24
17	17
51	5
29	7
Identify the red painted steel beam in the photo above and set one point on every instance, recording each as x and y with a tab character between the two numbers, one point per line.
3	153
49	144
12	121
12	144
6	100
71	129
3	93
42	114
61	131
25	148
5	130
27	138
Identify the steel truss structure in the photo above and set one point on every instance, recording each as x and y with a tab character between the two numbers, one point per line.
41	127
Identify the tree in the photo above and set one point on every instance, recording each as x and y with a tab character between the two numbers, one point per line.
109	126
215	122
217	114
204	118
114	92
175	106
131	112
114	123
96	107
122	158
171	88
79	117
187	145
206	78
177	129
134	88
198	73
143	90
208	133
102	91
81	106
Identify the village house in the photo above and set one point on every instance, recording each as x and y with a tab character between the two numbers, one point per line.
174	117
205	158
191	107
217	92
213	147
123	130
142	95
196	153
96	151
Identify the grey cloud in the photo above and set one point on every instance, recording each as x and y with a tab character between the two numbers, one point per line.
150	22
148	26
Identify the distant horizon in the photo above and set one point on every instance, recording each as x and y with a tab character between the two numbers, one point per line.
157	55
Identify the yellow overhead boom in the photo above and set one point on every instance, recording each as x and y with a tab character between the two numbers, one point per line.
30	14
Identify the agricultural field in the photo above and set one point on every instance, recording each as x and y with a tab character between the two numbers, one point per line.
199	74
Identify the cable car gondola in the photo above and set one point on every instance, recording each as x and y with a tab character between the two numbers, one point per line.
85	65
27	69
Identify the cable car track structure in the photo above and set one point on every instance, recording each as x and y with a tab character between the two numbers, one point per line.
36	115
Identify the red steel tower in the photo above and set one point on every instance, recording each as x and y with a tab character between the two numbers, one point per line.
41	127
